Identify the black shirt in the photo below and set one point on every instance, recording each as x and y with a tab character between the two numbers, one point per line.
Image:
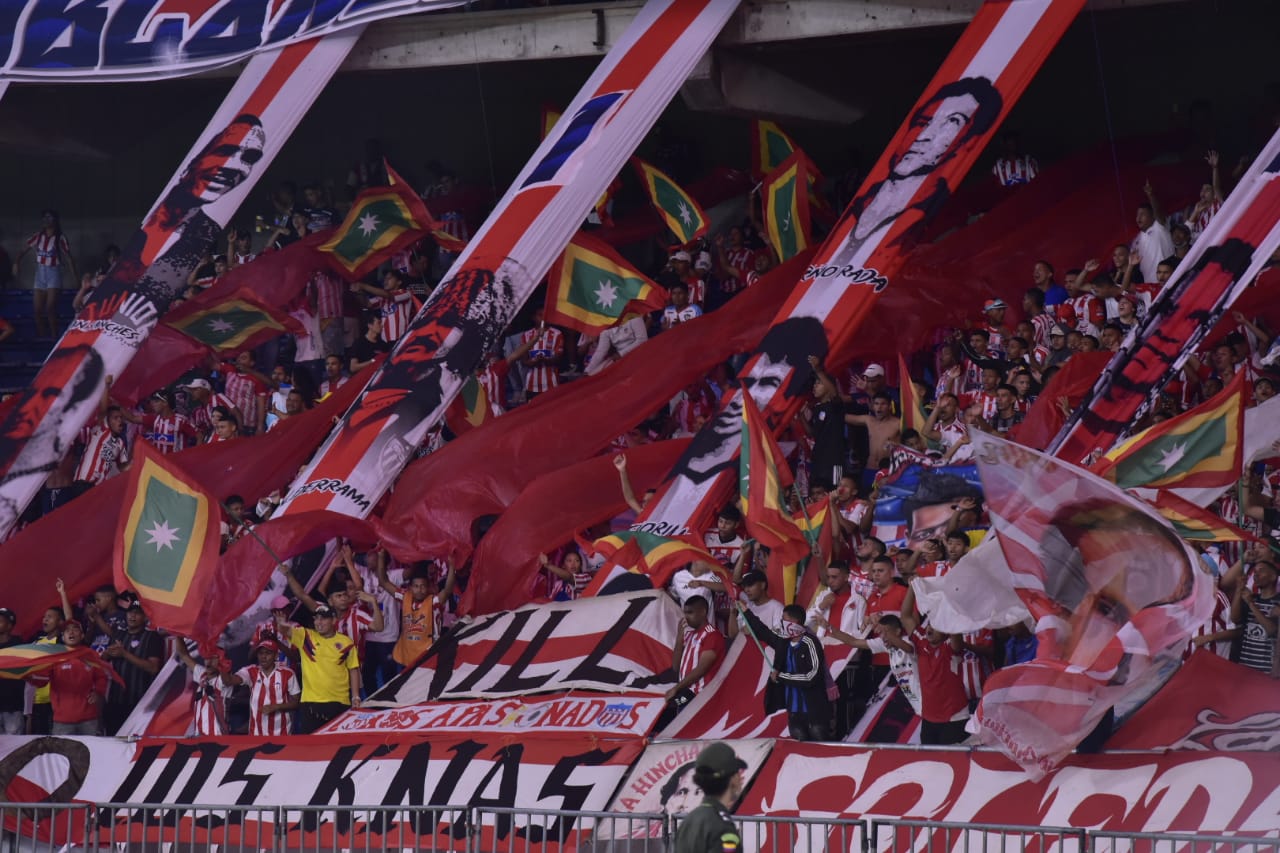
365	350
144	644
11	689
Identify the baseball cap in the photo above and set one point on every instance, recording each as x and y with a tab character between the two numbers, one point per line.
280	602
267	643
703	262
325	610
1058	330
8	614
873	370
199	383
754	576
681	256
993	304
719	760
135	605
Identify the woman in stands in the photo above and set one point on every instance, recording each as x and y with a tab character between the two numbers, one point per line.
50	246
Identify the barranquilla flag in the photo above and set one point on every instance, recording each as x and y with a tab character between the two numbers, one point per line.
762	476
383	219
677	208
659	557
770	146
17	662
591	287
239	322
167	544
1200	448
799	578
1194	523
785	197
470	408
913	416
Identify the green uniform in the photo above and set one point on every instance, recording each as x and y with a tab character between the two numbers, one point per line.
708	829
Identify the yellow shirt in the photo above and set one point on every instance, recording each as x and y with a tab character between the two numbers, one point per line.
325	664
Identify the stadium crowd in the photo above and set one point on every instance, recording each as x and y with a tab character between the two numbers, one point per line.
362	617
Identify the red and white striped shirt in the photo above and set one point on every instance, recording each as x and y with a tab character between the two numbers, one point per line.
1203	219
104	453
329	385
355	624
1088	312
974	668
48	248
210	708
396	311
244	391
493	379
1012	171
1042	324
1218	621
983	399
543	377
202	416
269	688
706	638
327	289
171	434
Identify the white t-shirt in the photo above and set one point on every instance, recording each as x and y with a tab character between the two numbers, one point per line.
903	666
387	603
681	590
770	613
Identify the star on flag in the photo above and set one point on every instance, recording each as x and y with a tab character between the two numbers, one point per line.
606	294
162	535
686	215
368	224
220	325
1172	456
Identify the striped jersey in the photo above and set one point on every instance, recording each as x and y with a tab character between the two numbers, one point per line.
48	248
697	641
169	434
396	311
1218	621
543	377
104	453
1203	219
269	688
202	416
355	624
327	289
244	391
210	708
1014	171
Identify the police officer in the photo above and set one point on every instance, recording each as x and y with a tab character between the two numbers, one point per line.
708	828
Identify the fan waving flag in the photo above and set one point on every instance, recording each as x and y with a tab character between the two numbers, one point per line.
786	206
659	557
592	287
912	405
676	207
167	544
1194	523
383	219
770	146
239	322
1201	448
816	524
762	477
17	662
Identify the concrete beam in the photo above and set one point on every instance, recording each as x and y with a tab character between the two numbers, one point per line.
558	32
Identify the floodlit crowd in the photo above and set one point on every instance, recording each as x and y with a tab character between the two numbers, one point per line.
348	626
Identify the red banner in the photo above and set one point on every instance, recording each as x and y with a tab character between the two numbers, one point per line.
1134	793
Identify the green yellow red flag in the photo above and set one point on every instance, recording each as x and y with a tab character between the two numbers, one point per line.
167	544
785	198
770	146
238	322
470	408
762	477
1194	523
18	662
591	287
648	553
913	416
383	220
1200	448
677	208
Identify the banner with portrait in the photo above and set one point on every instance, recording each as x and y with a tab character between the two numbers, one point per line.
917	502
255	119
612	643
983	76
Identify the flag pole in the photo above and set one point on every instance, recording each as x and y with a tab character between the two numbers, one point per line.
747	625
808	525
254	534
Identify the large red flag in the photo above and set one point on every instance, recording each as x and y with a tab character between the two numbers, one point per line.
547	514
251	467
488	467
763	479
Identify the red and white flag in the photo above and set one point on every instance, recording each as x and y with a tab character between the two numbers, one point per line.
1114	591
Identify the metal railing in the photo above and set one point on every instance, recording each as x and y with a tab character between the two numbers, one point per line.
168	828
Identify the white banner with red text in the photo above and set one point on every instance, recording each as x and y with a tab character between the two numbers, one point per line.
612	643
624	714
